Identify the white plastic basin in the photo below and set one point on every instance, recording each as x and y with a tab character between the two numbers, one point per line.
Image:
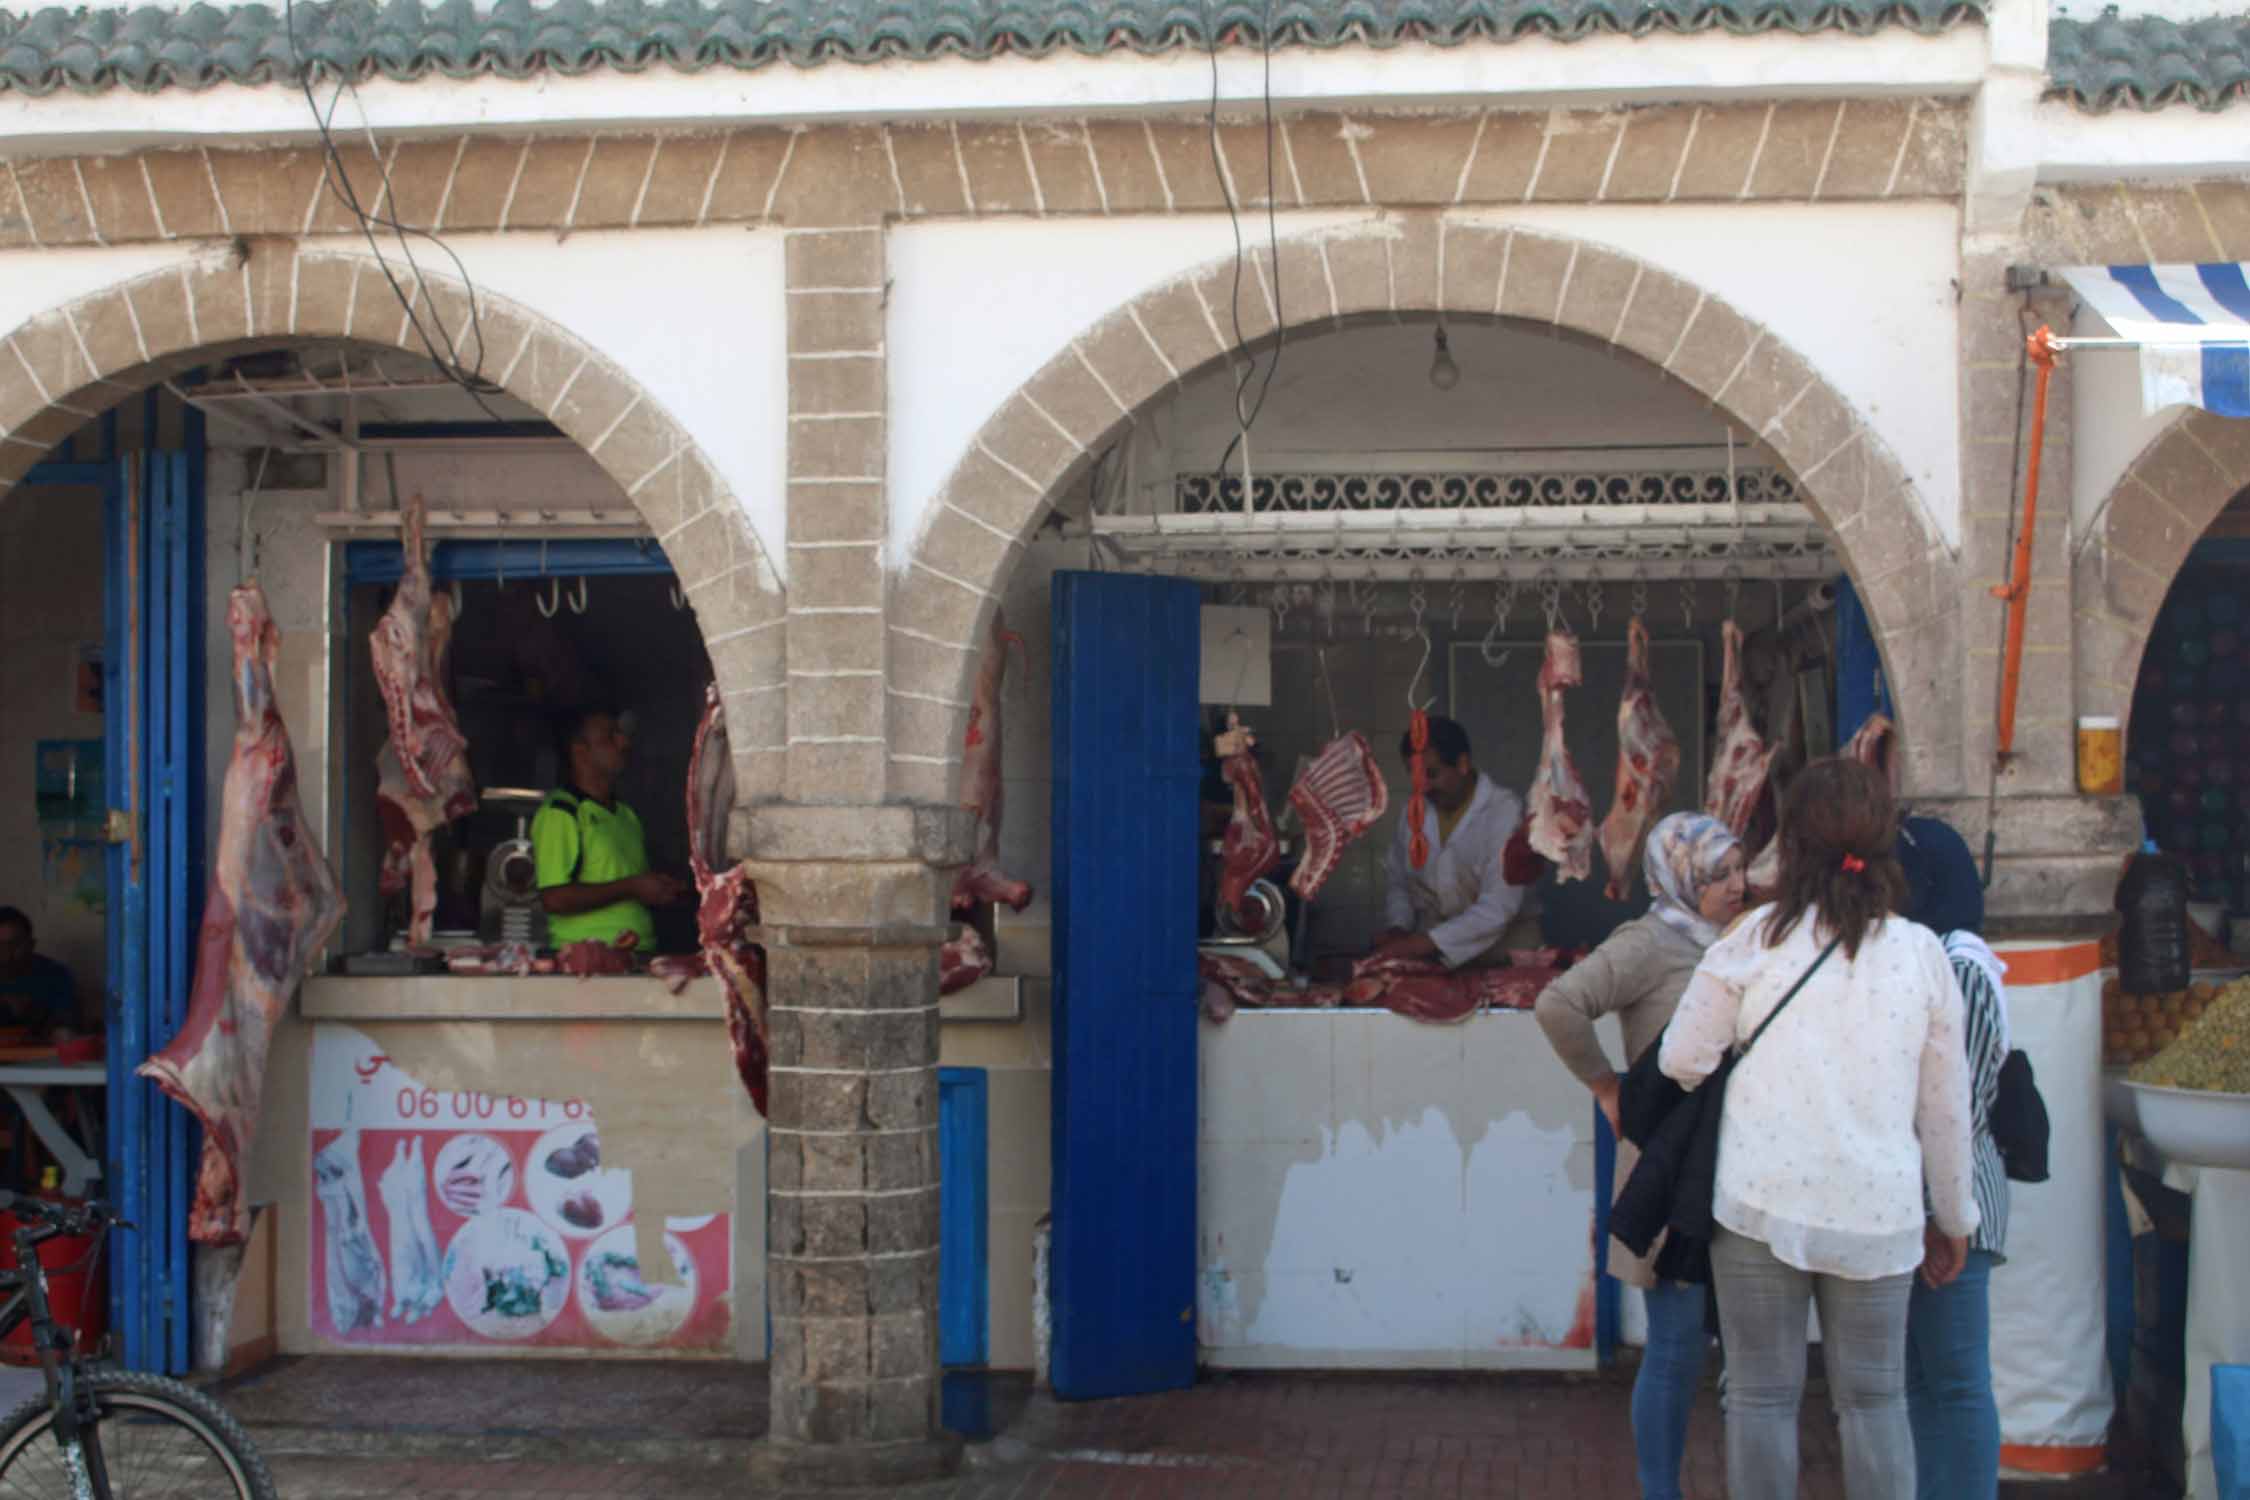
2196	1127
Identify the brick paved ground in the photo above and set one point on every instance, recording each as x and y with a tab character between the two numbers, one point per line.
342	1429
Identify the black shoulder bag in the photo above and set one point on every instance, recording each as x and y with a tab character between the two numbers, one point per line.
2019	1121
1647	1095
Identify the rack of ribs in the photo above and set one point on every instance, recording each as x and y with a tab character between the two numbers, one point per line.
1338	796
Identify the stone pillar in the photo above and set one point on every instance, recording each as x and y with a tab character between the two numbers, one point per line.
853	900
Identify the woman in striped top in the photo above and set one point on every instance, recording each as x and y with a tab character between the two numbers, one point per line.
1948	1328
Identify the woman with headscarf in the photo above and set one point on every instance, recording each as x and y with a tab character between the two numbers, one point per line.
1949	1398
1830	1124
1694	869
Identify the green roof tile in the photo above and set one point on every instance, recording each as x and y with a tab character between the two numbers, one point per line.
93	50
2149	62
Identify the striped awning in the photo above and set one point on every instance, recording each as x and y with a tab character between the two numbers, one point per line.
2190	323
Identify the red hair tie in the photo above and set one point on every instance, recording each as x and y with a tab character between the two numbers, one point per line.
1854	865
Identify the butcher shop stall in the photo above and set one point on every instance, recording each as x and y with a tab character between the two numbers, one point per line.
1246	662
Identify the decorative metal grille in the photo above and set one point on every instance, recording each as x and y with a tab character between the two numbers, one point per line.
1315	493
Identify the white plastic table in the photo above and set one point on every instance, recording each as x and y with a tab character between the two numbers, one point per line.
24	1081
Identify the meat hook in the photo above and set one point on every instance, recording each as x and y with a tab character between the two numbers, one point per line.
1503	605
679	600
552	602
1416	681
578	601
1335	719
456	599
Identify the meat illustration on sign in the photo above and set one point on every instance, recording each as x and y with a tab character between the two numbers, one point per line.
271	907
1339	795
422	771
417	1277
983	881
1743	760
1648	762
726	900
1250	847
352	1269
1562	820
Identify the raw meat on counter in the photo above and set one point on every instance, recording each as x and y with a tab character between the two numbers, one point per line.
727	903
679	970
591	956
272	904
1250	847
1562	820
1648	761
422	771
982	881
1743	760
1419	989
497	958
1339	795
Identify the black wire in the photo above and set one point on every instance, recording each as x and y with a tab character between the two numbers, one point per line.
338	179
1245	421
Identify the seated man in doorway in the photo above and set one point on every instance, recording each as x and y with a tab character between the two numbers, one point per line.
35	991
1457	907
592	860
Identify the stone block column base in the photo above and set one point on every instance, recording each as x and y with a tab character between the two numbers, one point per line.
778	1464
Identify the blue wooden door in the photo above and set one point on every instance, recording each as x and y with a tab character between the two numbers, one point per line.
153	725
1122	1258
964	1274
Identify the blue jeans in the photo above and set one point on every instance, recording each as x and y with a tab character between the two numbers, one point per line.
1949	1386
1664	1391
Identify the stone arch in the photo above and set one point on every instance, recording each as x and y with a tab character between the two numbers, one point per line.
2125	564
73	361
1408	266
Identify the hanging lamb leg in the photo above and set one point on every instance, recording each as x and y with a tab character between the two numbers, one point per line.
1743	760
727	904
1562	820
422	771
982	882
1648	760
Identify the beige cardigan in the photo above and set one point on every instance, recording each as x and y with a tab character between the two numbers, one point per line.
1637	975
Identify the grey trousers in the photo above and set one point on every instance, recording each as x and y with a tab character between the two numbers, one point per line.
1762	1305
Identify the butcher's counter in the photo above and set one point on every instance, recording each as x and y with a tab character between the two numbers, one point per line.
1382	1193
461	1108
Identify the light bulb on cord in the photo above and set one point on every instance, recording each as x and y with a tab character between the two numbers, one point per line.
1444	373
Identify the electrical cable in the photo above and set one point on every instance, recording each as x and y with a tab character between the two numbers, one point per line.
1245	420
338	179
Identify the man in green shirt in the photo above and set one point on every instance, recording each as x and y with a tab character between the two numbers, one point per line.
592	860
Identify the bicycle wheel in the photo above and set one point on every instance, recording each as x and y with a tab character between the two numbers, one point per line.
159	1441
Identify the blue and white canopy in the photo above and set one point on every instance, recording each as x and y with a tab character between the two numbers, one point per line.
2191	324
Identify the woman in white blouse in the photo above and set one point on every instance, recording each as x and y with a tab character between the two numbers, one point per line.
1856	1094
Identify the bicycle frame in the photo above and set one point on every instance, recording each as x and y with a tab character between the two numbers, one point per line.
56	1347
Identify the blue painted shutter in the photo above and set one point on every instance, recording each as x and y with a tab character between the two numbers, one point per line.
964	1278
153	725
1122	1258
1860	689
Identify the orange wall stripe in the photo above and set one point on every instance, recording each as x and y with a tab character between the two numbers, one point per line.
2024	1458
2052	965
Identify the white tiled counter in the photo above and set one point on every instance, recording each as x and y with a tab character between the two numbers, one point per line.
1379	1193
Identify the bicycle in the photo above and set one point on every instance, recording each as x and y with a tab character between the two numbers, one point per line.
98	1433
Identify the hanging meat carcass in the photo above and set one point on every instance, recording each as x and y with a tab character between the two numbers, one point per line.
1562	820
963	961
1339	795
422	771
272	904
1873	747
1648	761
982	881
1743	760
1250	847
726	902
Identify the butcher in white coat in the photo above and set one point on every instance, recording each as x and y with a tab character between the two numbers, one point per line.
1457	907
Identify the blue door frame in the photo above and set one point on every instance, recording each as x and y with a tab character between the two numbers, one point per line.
152	729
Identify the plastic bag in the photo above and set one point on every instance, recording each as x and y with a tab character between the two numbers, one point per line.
2152	947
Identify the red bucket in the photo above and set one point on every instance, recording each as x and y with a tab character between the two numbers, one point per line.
73	1291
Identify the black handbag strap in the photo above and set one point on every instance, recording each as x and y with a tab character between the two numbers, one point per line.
1785	999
